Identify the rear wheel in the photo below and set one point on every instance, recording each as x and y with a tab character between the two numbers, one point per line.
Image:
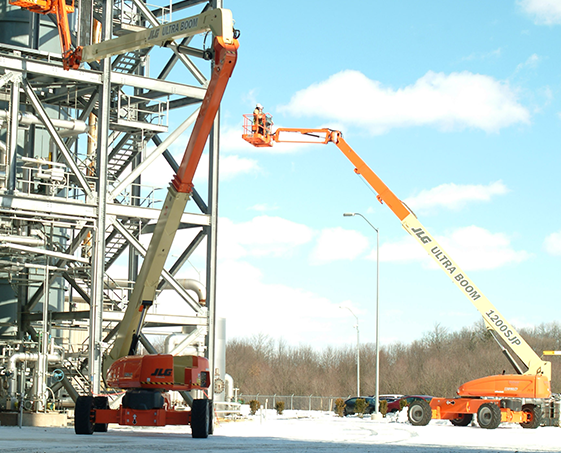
419	413
534	414
200	419
462	420
83	415
489	416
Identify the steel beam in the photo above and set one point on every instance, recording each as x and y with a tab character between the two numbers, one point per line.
77	173
165	274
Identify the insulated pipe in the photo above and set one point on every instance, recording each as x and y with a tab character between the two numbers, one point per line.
229	389
20	357
26	240
186	283
26	119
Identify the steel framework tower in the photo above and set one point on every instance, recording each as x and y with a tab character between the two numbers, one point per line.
75	147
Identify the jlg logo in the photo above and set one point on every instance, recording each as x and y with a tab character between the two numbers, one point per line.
162	372
421	235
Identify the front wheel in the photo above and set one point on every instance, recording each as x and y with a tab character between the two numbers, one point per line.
83	415
419	413
489	416
200	419
534	414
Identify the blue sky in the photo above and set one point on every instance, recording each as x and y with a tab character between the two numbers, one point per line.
455	105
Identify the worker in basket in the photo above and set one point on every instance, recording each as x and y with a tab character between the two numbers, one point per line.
261	122
258	120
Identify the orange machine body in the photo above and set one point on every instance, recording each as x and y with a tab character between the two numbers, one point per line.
454	408
508	386
159	371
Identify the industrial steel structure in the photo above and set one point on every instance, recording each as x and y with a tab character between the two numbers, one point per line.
75	146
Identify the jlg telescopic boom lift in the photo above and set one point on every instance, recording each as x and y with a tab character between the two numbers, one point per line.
523	398
147	379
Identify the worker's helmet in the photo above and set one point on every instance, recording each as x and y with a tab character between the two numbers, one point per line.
259	106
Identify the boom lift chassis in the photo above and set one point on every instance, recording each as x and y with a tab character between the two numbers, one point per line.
523	398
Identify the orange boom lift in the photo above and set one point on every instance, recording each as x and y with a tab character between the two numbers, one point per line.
523	398
147	379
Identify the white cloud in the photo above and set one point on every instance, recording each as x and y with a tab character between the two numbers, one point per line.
298	315
262	235
552	243
531	62
543	12
473	248
338	244
454	196
232	166
453	101
405	249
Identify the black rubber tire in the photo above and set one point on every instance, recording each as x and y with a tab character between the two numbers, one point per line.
210	417
462	420
200	419
101	402
419	413
83	415
535	413
489	416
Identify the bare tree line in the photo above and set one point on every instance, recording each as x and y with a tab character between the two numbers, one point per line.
434	365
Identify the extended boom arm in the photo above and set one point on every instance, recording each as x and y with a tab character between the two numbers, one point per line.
179	193
493	319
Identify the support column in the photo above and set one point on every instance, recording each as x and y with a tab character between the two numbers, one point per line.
212	230
96	307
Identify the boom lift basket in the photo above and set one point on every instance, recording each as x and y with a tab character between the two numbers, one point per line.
257	129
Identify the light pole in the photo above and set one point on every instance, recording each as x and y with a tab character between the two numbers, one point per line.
377	322
357	354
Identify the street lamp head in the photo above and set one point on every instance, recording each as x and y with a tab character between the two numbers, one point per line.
349	214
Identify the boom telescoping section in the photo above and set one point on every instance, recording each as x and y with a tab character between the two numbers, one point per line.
504	393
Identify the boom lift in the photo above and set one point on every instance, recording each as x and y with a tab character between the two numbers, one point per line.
523	398
147	379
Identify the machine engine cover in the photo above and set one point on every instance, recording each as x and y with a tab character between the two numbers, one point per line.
508	386
159	371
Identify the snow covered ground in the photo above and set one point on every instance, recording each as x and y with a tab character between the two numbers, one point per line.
294	431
